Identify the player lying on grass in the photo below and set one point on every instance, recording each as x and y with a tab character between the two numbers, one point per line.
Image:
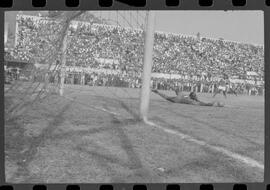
187	99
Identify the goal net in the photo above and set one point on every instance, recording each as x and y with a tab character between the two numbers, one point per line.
73	54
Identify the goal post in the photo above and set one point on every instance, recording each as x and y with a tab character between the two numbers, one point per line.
63	65
6	33
147	66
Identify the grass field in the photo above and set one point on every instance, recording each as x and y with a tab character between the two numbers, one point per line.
93	136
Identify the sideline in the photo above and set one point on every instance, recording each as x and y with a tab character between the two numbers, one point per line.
246	160
92	107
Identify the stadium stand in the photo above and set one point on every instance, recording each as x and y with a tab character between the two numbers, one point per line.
195	60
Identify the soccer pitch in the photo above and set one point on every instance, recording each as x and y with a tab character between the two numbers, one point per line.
92	136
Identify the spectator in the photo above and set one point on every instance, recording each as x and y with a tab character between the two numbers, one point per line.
187	56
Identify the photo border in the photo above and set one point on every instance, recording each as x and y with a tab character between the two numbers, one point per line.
26	5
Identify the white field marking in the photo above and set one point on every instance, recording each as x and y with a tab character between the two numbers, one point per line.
93	107
249	161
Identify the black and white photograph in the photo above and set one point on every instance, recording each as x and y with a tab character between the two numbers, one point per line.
134	96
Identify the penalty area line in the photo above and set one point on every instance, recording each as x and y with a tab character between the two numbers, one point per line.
246	160
92	107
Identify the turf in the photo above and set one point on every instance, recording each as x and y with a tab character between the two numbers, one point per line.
62	140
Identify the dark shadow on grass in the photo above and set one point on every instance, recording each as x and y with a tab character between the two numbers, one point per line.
49	134
126	144
80	133
105	161
237	173
212	163
257	145
126	107
34	142
132	163
162	121
130	111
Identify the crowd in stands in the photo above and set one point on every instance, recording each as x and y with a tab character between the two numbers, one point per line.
120	80
173	53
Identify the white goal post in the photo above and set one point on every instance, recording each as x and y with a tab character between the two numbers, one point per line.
147	67
63	65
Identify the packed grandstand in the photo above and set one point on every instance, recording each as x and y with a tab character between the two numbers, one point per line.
177	59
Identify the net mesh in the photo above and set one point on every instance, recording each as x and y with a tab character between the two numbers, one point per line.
104	49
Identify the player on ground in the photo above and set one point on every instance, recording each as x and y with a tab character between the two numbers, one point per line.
187	99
